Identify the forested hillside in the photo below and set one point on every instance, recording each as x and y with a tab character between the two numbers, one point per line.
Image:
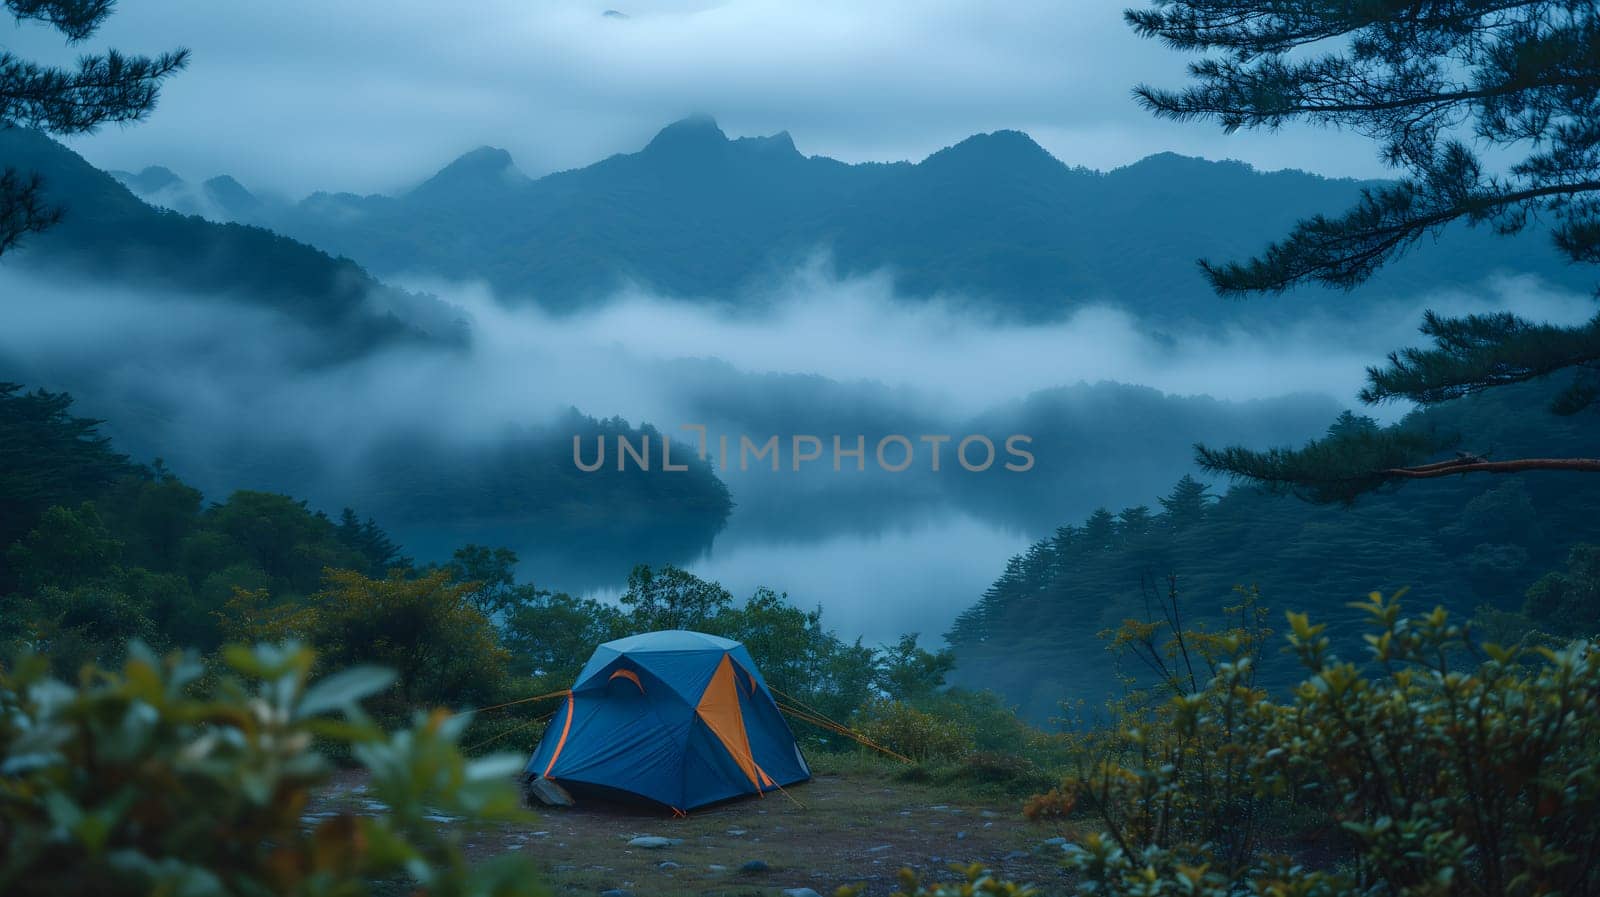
99	549
1461	543
994	221
109	236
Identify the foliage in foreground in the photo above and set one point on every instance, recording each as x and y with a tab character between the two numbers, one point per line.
1445	767
164	778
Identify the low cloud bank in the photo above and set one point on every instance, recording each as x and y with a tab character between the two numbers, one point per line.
212	387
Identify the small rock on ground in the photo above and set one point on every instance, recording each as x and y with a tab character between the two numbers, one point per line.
652	842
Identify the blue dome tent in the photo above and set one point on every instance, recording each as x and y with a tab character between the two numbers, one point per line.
678	718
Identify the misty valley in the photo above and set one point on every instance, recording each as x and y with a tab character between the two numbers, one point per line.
460	433
957	493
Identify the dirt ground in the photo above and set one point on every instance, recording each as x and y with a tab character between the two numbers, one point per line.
841	828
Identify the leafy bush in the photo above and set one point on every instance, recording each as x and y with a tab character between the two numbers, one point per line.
917	734
425	628
1057	803
998	729
166	779
984	775
994	766
1451	767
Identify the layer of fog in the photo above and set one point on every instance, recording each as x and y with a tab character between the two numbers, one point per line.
209	371
205	382
914	577
959	362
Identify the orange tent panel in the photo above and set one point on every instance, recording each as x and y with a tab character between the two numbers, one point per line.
719	708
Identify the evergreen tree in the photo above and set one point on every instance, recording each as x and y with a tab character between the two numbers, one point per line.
1187	504
105	88
1135	522
1523	77
48	456
368	538
1099	531
972	625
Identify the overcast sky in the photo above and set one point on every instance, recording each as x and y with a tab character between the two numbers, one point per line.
299	95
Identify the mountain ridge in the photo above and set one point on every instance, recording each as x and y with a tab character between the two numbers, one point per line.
108	234
994	220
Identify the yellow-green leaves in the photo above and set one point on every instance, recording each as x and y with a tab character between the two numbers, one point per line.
1453	773
161	778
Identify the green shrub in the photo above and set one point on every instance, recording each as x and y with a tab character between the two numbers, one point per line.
917	734
985	774
163	779
1451	768
1057	803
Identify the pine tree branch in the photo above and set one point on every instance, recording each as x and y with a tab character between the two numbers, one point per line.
77	19
1249	29
1251	99
1477	352
1521	76
1357	457
104	89
23	210
1480	465
1343	252
108	88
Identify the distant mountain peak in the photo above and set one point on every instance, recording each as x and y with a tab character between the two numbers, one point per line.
1169	160
693	133
775	144
150	180
485	169
998	149
483	160
231	195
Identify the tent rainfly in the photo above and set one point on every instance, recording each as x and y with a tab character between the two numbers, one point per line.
681	719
